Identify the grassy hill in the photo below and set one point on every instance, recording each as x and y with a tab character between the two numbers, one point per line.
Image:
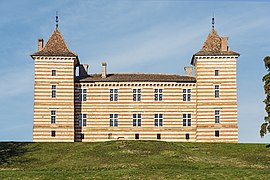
134	160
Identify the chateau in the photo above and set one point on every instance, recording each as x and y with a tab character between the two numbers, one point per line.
71	107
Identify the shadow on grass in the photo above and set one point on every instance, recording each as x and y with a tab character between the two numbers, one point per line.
12	151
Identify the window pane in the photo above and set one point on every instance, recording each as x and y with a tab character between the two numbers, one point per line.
156	97
184	115
156	90
134	122
84	116
116	97
184	90
134	90
111	122
156	122
160	115
139	122
189	115
139	115
156	115
139	90
160	122
115	115
111	90
115	122
189	122
116	91
160	90
184	122
111	115
184	97
189	90
139	97
134	115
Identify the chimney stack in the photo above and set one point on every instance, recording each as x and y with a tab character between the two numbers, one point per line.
40	44
83	70
224	43
188	70
104	70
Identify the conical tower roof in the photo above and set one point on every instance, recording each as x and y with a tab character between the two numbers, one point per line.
55	46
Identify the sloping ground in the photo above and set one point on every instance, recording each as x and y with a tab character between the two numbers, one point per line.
134	160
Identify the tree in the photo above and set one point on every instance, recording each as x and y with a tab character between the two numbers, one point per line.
265	127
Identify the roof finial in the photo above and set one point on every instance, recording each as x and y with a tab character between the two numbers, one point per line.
56	19
213	22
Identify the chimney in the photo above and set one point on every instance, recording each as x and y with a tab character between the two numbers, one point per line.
224	43
104	70
188	70
40	44
83	70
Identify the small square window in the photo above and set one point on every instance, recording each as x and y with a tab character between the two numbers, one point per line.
137	136
187	136
53	133
53	72
217	133
158	136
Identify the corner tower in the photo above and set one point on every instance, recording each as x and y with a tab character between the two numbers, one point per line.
215	71
54	90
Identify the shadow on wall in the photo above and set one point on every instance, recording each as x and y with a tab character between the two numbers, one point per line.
10	150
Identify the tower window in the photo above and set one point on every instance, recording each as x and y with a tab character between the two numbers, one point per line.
137	136
113	120
158	94
158	120
53	91
53	133
217	133
113	94
82	120
137	119
216	91
186	119
158	136
83	95
187	136
53	117
186	94
216	72
217	116
136	94
53	72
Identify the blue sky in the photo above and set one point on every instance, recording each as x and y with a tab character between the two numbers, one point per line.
131	36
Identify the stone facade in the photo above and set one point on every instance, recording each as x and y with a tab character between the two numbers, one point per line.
102	107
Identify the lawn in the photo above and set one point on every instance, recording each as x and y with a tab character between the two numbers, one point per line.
134	160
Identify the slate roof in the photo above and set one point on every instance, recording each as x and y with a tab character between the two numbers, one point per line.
55	46
137	77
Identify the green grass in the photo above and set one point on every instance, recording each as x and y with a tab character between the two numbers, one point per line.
134	160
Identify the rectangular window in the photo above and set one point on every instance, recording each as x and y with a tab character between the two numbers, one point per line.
113	94
217	133
137	136
158	94
216	91
110	136
137	119
53	91
82	136
158	136
53	133
217	116
186	94
83	95
82	119
53	72
216	72
113	120
53	117
187	136
186	119
136	94
158	120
